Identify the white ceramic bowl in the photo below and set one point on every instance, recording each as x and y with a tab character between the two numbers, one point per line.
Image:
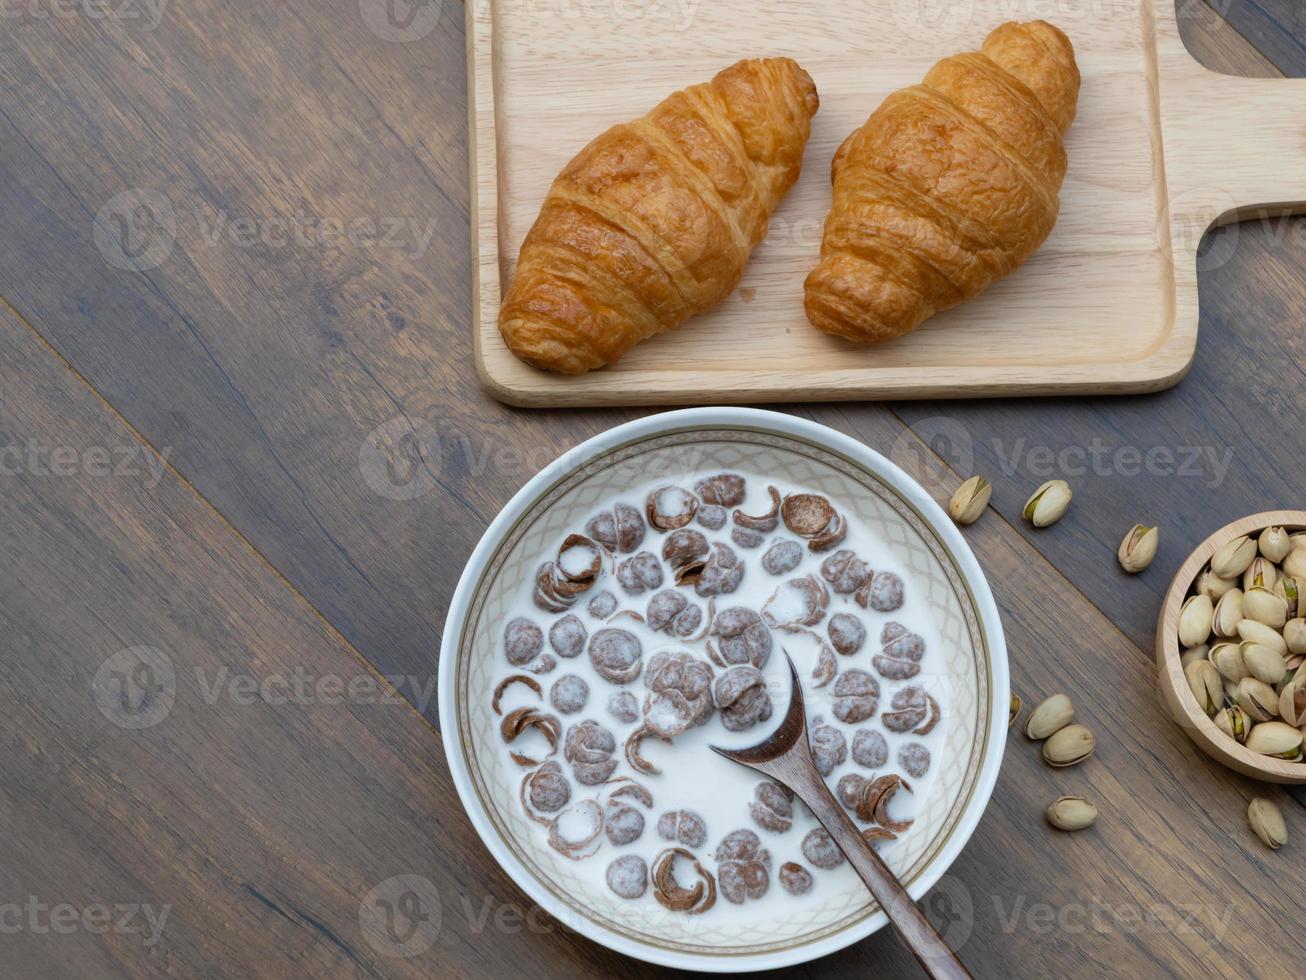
925	542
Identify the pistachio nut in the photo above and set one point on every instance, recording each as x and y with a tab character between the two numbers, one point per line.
1138	548
1290	589
1262	572
1267	822
1295	563
1263	663
970	500
1049	717
1294	635
1227	659
1275	544
1205	684
1257	699
1071	813
1014	712
1048	504
1292	701
1233	721
1250	629
1199	652
1195	620
1232	558
1230	691
1276	739
1071	745
1264	606
1212	586
1228	613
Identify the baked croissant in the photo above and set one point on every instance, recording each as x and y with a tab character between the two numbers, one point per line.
948	187
654	220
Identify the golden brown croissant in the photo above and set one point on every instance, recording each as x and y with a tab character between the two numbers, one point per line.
948	187
654	221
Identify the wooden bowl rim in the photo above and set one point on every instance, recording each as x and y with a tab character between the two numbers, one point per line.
1200	728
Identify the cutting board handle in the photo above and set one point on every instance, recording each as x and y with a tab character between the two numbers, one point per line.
1254	131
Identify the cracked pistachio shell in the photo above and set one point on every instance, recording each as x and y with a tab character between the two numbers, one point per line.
1233	721
1251	630
1260	572
1264	664
1014	713
970	500
1205	684
1294	635
1048	504
1212	586
1228	613
1049	717
1266	821
1199	652
1292	701
1265	607
1070	746
1138	548
1257	699
1276	739
1195	621
1290	590
1071	813
1295	563
1232	558
1274	544
1227	659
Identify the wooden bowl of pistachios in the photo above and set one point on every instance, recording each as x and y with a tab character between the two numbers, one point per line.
1230	644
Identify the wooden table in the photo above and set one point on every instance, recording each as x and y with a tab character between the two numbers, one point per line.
234	251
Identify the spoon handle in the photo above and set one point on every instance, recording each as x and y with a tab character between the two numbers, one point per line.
934	955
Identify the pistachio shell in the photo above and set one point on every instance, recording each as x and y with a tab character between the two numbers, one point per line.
1228	613
1265	607
1233	721
1274	544
1257	699
1263	663
1267	822
970	501
1138	548
1014	713
1250	629
1233	557
1071	745
1276	739
1205	685
1049	717
1292	701
1071	813
1048	504
1195	620
1227	658
1291	591
1199	652
1213	586
1294	635
1262	572
1295	563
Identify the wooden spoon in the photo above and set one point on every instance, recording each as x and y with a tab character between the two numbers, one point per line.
786	757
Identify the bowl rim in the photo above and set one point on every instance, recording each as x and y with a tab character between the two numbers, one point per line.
1170	676
782	425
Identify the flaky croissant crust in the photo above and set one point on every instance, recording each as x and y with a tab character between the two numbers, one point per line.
654	221
949	186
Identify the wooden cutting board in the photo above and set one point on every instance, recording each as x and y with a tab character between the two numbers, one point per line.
1161	151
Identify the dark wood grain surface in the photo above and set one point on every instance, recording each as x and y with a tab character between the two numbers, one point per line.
295	192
